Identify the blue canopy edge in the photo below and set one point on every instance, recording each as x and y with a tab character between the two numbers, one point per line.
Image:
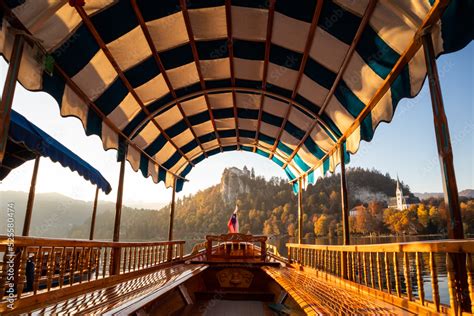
26	140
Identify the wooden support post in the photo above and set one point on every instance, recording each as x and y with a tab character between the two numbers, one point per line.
31	199
170	229
9	91
94	214
345	211
118	215
445	153
300	211
344	201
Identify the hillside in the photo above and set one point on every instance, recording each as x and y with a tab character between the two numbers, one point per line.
265	206
54	215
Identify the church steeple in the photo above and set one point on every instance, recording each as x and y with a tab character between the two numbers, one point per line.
400	200
399	187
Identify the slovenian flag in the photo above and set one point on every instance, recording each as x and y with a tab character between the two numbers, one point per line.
233	223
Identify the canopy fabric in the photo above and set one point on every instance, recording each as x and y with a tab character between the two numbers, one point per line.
178	81
26	141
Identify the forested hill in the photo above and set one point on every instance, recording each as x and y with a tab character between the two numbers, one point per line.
267	207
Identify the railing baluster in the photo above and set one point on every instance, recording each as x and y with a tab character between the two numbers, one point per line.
396	274
379	272
3	278
49	273
147	257
350	276
451	284
406	270
124	259
387	273
80	266
97	262
61	267
364	266
38	270
136	254
22	271
371	266
470	279
72	266
104	263
434	282
419	277
353	263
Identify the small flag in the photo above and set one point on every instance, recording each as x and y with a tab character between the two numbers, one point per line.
233	223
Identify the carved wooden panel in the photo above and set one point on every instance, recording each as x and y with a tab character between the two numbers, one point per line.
234	277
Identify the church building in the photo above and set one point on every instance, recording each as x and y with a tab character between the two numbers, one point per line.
402	202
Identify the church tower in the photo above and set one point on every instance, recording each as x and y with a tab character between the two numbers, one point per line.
400	204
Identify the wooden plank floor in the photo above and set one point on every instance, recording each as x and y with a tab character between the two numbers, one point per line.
113	297
320	297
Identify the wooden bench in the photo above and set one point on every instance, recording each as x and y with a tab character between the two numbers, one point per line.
125	297
316	296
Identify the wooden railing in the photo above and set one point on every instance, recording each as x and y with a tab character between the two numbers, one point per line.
236	246
398	272
39	265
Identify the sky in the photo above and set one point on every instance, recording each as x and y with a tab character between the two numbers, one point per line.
406	147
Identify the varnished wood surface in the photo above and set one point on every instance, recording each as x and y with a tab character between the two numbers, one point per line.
236	246
396	263
447	245
50	270
126	296
317	296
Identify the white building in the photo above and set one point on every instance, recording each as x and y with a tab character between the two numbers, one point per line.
402	202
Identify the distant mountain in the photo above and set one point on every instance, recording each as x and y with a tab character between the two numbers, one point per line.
54	215
468	193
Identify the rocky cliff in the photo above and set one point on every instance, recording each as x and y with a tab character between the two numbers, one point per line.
234	182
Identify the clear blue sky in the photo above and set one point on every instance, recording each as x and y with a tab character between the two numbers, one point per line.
406	146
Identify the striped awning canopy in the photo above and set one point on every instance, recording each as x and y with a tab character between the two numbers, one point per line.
169	83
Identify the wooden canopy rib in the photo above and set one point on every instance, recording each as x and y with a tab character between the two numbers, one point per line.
415	44
365	20
268	42
236	89
192	42
309	42
104	118
239	144
88	23
230	49
159	63
15	22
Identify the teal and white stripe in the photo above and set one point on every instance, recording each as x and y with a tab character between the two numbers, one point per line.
182	132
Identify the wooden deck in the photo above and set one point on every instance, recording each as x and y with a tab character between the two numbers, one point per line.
125	297
319	297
